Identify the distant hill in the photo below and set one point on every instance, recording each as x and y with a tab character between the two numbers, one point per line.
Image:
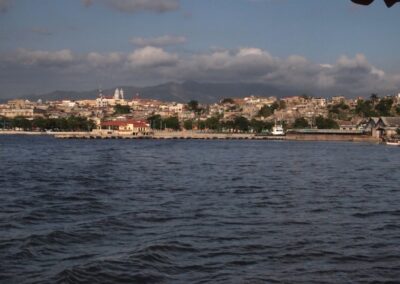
178	92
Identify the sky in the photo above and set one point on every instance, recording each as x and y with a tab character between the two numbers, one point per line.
319	46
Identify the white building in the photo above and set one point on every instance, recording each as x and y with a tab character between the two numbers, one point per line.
117	99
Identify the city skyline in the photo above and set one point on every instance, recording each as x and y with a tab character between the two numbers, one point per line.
328	47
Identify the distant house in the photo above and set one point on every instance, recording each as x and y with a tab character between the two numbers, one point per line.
128	127
386	126
369	124
29	113
347	125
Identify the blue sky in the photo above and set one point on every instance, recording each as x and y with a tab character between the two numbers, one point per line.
185	40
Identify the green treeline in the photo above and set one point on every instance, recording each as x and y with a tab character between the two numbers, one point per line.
72	123
376	107
120	109
213	123
157	122
266	110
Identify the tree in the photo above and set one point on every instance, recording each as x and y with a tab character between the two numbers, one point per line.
337	108
72	123
259	126
201	125
40	123
241	123
188	124
326	123
193	105
265	111
384	106
339	111
301	123
227	101
213	123
227	125
278	105
120	109
374	98
274	106
172	123
156	122
5	123
282	104
76	123
22	123
398	109
365	108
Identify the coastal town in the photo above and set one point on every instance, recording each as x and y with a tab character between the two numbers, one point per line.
261	116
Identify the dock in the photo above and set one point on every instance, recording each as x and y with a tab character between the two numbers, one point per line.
178	135
338	136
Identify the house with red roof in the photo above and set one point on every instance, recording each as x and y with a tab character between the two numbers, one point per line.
126	127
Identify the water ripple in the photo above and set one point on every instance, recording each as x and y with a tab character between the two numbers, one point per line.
146	211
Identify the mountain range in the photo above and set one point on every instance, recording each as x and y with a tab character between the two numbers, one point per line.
177	92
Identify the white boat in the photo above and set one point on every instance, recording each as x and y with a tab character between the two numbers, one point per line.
393	143
278	130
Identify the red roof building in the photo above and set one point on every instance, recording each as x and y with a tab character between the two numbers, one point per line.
130	125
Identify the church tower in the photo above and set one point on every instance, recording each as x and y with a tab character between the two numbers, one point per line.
116	94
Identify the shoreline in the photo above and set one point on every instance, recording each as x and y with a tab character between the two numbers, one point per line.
37	133
192	135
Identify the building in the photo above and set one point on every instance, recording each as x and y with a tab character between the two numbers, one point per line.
117	99
21	112
126	127
386	127
319	102
338	99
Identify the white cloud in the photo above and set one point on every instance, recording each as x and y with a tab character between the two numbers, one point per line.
160	41
226	65
133	6
326	65
359	61
150	56
348	75
250	51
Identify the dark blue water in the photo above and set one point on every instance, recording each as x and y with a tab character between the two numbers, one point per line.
123	211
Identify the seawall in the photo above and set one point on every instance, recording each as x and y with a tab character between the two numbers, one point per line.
159	135
331	137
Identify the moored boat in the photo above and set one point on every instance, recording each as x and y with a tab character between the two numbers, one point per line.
278	130
393	143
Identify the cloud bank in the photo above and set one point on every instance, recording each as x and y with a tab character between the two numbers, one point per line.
351	76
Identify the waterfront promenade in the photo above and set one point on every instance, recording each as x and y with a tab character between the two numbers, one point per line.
160	135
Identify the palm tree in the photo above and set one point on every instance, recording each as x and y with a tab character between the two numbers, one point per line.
374	98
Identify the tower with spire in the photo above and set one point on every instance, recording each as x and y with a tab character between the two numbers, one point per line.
119	94
116	94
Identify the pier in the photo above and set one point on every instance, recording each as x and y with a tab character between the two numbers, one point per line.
166	135
193	135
